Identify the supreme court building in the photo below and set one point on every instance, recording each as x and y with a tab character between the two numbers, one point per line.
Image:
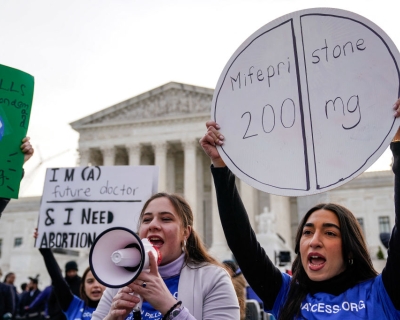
162	127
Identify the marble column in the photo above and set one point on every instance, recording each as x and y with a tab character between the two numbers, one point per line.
134	151
171	172
108	156
250	201
371	219
200	212
219	248
190	175
280	206
160	155
84	157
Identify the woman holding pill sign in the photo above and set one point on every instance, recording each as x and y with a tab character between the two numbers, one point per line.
333	276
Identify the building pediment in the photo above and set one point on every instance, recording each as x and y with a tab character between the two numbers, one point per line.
170	100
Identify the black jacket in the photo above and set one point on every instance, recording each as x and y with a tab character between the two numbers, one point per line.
26	300
6	300
75	284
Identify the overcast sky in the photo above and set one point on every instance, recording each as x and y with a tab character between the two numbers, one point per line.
87	55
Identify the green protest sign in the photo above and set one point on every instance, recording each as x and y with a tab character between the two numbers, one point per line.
16	94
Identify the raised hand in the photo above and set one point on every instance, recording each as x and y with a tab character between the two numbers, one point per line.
27	149
210	140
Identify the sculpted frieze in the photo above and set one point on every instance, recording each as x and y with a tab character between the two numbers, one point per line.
169	103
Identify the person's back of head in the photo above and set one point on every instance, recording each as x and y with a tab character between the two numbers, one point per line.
24	286
231	266
239	284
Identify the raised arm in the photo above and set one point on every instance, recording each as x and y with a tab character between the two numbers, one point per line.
28	151
390	275
61	288
261	274
3	204
40	300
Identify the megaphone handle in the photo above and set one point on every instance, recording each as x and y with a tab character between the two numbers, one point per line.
137	314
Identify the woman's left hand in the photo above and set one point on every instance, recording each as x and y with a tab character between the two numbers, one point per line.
152	288
27	149
396	108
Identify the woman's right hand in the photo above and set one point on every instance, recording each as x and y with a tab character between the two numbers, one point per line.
210	140
122	304
396	108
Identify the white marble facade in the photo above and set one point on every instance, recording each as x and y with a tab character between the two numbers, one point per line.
163	127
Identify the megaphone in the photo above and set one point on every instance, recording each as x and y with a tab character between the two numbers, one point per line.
118	256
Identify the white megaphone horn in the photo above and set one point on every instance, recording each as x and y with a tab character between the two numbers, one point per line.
118	256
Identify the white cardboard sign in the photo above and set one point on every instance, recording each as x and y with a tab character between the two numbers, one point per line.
79	203
305	103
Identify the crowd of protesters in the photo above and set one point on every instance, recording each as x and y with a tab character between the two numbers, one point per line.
332	265
30	302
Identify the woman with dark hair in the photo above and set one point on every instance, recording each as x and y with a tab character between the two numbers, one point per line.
72	306
333	276
9	279
189	283
353	263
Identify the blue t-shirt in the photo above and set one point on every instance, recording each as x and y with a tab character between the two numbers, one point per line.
250	294
148	312
367	300
78	311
